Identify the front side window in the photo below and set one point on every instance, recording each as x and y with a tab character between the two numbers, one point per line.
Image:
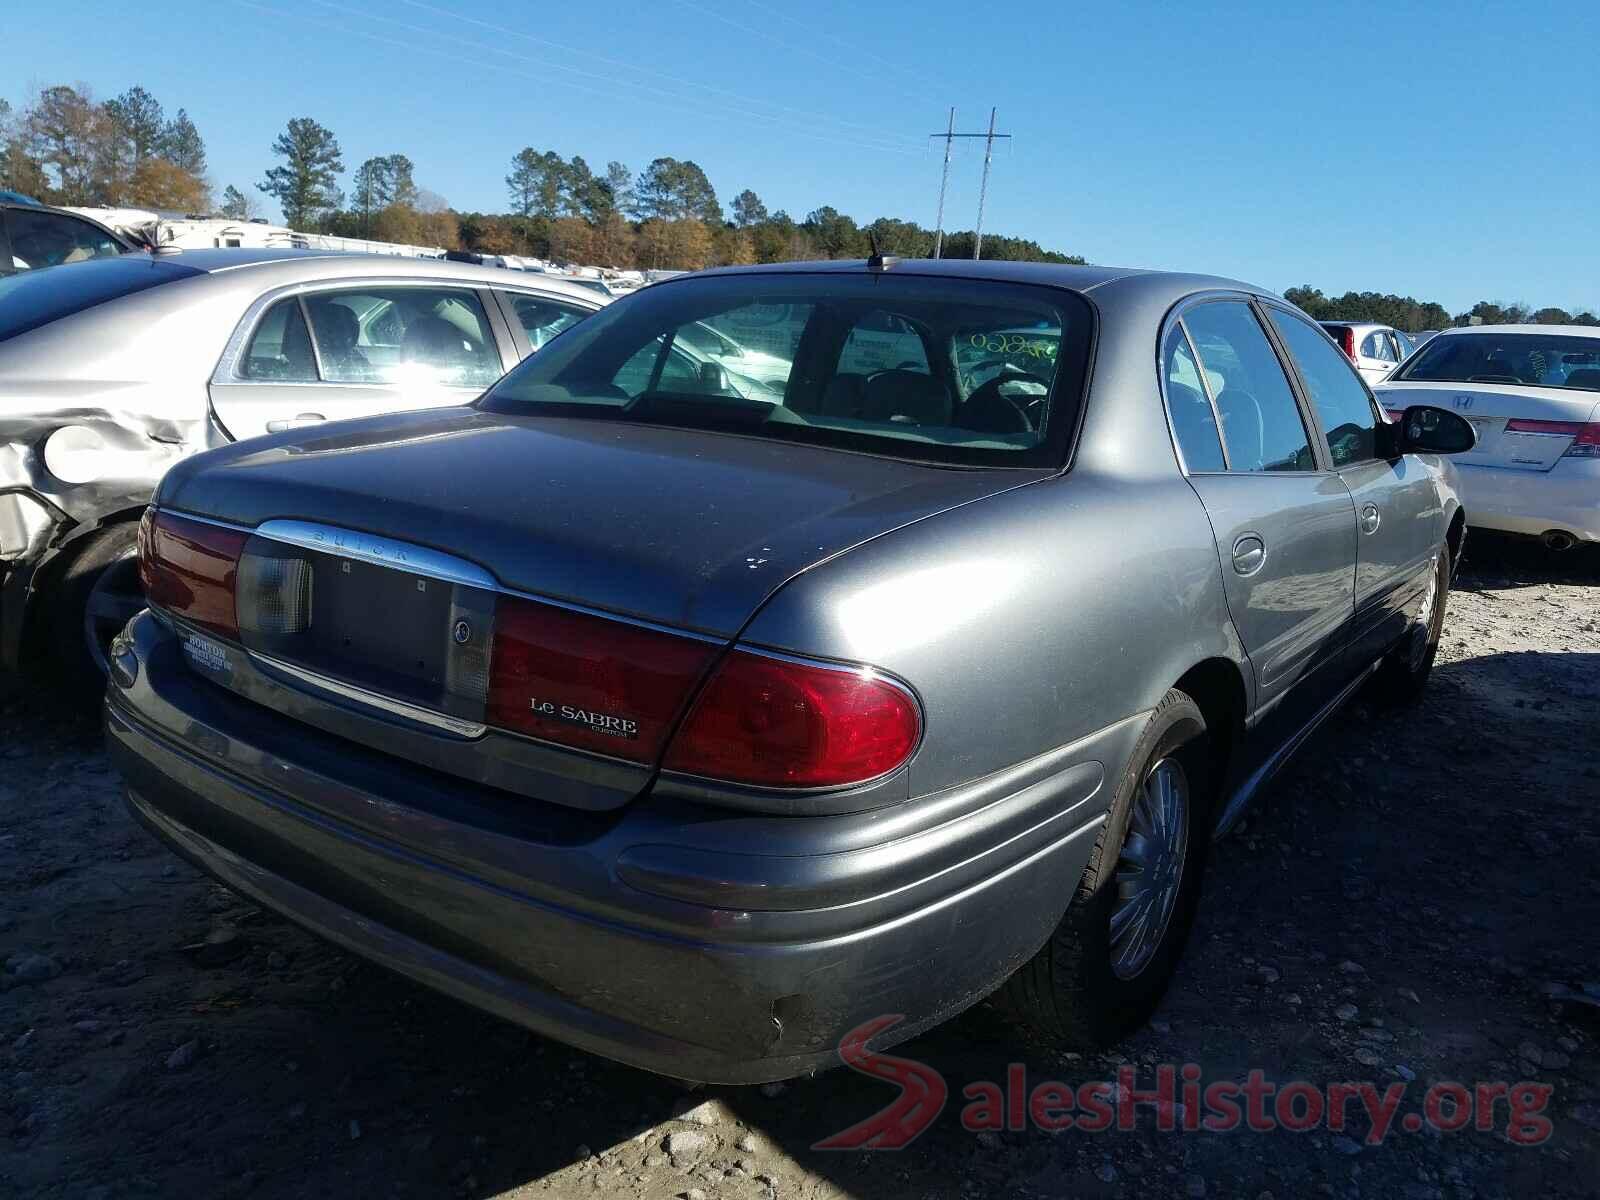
280	349
1336	391
878	363
412	336
1193	421
1261	422
542	319
50	239
1529	359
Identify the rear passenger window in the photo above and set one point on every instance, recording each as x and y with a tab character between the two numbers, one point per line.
1261	423
404	335
1193	422
281	349
1336	391
542	319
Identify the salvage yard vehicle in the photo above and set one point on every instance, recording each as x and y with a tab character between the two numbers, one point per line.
699	730
1532	393
1375	349
114	369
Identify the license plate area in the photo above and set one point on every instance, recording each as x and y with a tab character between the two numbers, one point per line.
378	628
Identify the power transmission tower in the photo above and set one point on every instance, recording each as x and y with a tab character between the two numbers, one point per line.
949	136
944	182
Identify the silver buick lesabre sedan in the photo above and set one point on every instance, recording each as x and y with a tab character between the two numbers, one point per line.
698	729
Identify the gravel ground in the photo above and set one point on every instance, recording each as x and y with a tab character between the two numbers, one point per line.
1416	900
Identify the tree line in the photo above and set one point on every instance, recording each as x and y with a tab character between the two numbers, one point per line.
1413	316
66	147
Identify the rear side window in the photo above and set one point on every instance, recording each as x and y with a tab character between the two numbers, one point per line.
1261	422
921	367
1336	391
542	319
281	348
34	298
1193	421
403	335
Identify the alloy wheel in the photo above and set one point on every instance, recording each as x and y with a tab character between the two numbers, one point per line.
1150	868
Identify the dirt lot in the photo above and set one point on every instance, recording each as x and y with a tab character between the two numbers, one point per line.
1417	900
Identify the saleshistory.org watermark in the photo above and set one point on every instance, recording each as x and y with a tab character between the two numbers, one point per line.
1176	1098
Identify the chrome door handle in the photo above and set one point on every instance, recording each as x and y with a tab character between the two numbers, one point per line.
1249	553
295	422
1370	518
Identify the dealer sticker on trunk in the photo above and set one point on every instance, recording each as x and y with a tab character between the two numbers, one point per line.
206	654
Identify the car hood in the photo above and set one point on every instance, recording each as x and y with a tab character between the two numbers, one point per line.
682	527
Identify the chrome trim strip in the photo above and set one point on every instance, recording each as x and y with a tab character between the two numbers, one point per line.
405	556
412	712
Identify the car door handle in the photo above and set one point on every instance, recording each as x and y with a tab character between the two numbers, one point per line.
1249	553
1370	518
295	422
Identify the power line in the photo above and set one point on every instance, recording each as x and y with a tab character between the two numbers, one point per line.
950	135
809	53
610	91
632	67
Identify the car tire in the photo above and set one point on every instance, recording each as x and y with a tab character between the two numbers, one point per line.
1083	989
1403	674
93	597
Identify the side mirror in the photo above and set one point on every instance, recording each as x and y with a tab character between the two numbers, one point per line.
1424	429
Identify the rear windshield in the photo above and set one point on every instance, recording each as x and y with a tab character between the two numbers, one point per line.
1532	359
919	367
34	298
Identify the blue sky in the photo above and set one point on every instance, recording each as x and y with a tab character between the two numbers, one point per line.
1441	150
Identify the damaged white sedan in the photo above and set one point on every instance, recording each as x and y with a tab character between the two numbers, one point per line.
114	369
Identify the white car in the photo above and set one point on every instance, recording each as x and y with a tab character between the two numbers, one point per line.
1375	349
1532	393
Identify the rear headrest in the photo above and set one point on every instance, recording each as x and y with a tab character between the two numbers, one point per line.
1589	377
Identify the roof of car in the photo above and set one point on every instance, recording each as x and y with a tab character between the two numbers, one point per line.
1588	331
1079	278
333	264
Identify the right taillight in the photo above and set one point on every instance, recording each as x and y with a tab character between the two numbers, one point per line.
190	569
1585	436
768	721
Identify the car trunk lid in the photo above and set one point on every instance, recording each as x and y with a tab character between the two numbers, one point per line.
584	574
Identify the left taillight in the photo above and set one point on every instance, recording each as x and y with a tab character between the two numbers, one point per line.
190	569
774	721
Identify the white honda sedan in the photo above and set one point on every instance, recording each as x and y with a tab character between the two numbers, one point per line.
1532	392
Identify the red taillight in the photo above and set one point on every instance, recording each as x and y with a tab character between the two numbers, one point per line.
188	568
587	681
775	722
1347	342
1586	444
1395	415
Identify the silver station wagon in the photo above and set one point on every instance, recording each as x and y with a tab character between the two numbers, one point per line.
698	725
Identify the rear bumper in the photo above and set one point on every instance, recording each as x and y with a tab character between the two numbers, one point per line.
707	945
1566	497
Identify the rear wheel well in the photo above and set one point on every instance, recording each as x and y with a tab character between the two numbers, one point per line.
36	617
1217	689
